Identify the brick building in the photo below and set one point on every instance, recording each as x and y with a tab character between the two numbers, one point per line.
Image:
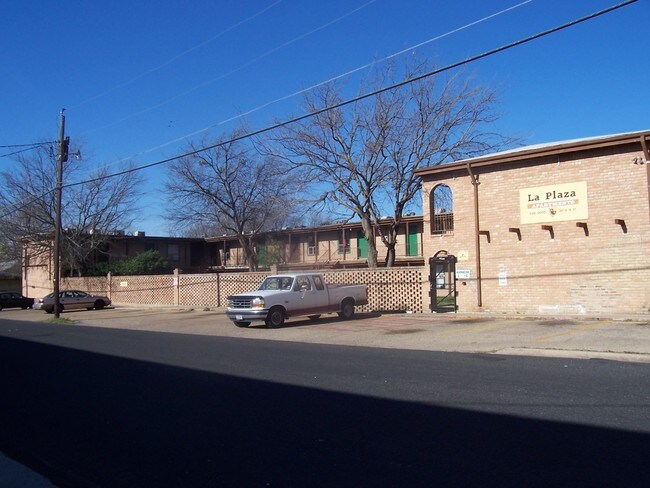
330	246
333	245
560	228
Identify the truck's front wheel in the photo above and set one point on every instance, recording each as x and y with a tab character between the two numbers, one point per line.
347	310
275	318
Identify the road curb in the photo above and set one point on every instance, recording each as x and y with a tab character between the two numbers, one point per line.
575	354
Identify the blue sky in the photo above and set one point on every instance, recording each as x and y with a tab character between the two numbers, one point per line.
140	79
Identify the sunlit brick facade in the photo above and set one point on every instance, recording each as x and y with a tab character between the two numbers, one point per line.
559	228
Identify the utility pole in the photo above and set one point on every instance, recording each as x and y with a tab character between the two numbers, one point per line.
62	157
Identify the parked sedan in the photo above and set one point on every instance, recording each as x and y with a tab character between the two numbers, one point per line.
72	299
10	299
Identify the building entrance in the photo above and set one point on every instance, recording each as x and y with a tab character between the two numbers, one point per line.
442	281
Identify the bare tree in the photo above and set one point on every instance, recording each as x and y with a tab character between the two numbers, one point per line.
233	188
368	151
197	229
94	205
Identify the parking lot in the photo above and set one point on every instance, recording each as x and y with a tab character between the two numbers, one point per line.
619	339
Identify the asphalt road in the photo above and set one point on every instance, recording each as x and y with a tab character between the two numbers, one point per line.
93	406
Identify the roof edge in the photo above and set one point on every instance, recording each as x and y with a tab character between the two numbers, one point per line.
540	150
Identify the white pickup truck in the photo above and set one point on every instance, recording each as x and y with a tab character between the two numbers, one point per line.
282	296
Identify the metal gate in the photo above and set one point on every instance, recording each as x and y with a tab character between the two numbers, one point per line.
442	281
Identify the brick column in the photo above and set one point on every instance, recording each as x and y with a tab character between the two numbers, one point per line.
109	285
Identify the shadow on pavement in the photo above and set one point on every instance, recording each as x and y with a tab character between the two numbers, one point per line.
300	321
86	419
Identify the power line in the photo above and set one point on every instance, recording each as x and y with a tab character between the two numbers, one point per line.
312	87
355	70
174	58
24	147
345	102
17	152
235	70
376	92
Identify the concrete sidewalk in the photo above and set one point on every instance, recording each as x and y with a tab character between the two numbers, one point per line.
618	338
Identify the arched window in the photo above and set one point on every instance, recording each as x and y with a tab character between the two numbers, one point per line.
441	210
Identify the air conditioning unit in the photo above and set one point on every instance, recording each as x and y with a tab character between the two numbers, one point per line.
139	233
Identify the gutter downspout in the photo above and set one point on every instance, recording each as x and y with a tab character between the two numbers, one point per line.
646	155
477	241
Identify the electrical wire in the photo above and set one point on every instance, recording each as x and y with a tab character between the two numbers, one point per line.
381	90
235	70
17	152
350	72
180	55
25	147
344	102
312	87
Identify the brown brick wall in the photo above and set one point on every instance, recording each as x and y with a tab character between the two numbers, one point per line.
605	272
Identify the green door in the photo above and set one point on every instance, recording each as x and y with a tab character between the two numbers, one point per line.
261	255
412	248
362	246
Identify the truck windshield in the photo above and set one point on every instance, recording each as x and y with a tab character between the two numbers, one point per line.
277	283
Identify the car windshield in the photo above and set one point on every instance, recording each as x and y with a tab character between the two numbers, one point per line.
277	283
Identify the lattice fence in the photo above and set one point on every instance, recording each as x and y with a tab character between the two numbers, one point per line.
95	285
388	289
200	290
231	283
397	289
149	290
